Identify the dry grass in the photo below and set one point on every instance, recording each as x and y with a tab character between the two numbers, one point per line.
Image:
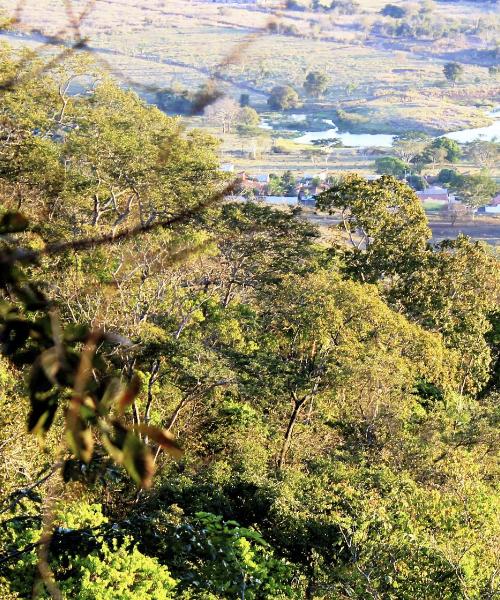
181	42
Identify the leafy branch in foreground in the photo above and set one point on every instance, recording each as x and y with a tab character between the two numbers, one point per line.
68	368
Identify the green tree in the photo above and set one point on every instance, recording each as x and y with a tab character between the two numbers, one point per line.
453	291
337	403
288	182
474	190
452	148
384	222
283	97
390	165
448	176
453	71
316	84
248	121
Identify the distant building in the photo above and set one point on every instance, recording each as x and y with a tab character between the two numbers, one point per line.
492	210
434	193
308	177
261	177
493	207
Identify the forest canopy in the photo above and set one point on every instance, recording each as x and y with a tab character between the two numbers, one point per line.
329	411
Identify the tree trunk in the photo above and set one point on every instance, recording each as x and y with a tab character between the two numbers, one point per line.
298	404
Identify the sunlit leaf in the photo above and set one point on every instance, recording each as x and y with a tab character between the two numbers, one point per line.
50	362
129	394
80	439
138	460
163	438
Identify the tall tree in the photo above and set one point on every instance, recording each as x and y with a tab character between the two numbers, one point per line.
384	222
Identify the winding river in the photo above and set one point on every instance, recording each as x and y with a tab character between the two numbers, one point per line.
365	140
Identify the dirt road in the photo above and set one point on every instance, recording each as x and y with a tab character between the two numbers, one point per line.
488	231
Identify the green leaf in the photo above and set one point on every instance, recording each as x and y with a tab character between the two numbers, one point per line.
138	461
14	334
43	399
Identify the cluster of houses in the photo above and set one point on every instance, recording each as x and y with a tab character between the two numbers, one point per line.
308	185
259	185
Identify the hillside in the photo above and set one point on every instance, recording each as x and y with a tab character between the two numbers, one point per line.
204	396
394	79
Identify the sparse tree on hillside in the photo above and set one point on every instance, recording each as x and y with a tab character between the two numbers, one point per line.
453	71
435	155
410	145
223	111
345	7
394	11
316	84
283	97
484	153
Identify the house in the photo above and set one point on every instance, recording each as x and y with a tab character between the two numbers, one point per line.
305	198
247	185
493	207
435	194
492	210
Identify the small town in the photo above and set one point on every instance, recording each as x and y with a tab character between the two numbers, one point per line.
301	189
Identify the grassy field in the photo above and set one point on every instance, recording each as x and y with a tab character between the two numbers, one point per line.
393	85
397	84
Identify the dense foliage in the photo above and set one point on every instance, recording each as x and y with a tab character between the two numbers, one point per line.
337	404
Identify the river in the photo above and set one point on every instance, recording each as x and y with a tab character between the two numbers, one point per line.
367	140
482	133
